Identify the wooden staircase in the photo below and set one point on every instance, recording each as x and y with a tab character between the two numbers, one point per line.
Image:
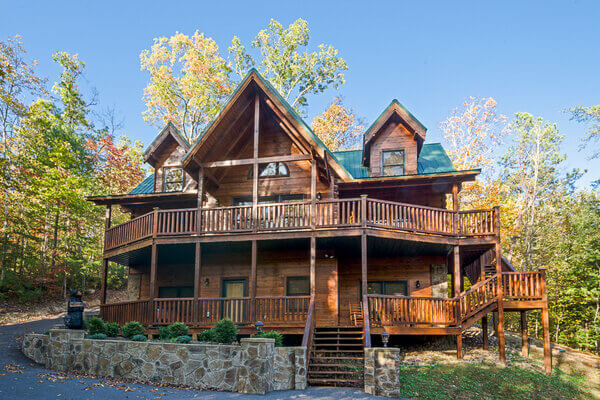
337	357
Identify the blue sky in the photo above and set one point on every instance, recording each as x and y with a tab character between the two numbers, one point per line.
534	56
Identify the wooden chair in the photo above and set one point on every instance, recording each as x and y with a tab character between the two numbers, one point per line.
356	314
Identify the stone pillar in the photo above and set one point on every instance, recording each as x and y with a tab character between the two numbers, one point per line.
256	362
300	372
381	371
65	347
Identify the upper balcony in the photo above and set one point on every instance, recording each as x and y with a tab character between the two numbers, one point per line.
303	216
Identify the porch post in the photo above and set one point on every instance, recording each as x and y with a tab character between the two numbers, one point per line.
455	208
482	267
459	346
313	266
103	281
253	282
545	325
363	261
484	332
153	261
500	293
255	163
197	270
313	192
456	275
524	344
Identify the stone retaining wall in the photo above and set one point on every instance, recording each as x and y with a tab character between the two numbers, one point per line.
381	371
254	366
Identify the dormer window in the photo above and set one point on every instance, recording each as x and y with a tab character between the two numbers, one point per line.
392	162
271	170
173	179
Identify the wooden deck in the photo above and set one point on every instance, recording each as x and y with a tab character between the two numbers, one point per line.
304	216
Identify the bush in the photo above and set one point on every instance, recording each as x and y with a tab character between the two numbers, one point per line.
178	329
183	339
112	329
97	336
132	329
225	331
164	333
139	338
274	335
96	325
207	336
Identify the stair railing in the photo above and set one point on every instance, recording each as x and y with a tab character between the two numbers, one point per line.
309	330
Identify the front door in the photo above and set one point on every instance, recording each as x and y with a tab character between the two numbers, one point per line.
234	309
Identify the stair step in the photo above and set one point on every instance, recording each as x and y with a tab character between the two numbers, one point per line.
338	344
362	359
312	374
338	351
336	365
333	380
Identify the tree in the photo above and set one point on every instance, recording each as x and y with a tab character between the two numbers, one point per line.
338	127
474	133
589	115
189	82
531	177
293	72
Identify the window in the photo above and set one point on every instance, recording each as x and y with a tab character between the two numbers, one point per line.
297	286
173	178
390	288
280	198
174	292
271	170
392	162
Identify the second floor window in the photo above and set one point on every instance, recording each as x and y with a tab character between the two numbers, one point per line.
271	170
392	162
173	179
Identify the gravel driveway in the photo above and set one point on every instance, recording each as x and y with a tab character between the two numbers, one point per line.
21	379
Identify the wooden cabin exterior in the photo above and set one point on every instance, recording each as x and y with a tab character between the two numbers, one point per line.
258	220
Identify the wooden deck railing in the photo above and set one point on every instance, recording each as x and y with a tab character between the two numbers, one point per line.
290	310
337	213
432	311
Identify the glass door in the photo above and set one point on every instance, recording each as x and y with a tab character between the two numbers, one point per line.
234	309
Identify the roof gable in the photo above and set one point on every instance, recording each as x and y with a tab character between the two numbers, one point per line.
168	138
275	100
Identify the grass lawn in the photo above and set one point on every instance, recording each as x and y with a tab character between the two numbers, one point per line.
483	381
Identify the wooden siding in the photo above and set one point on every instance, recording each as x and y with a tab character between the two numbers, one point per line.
173	160
394	136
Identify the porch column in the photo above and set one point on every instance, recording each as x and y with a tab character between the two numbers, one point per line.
253	282
153	261
313	192
313	265
104	276
459	346
456	274
500	293
482	267
197	270
524	344
255	161
363	261
484	332
546	325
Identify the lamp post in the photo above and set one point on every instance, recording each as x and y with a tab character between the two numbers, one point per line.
385	338
259	326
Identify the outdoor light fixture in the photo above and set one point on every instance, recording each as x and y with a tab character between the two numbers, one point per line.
385	338
206	282
319	196
259	326
418	284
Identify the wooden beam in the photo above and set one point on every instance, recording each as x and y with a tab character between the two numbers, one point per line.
455	190
108	216
459	346
363	263
484	332
313	265
313	193
524	343
255	157
103	281
500	292
153	265
200	187
197	270
253	256
546	325
260	160
456	271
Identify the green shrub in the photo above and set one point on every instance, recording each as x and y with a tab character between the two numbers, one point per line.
225	331
97	336
207	336
183	339
139	338
132	329
274	335
112	329
96	325
164	333
178	329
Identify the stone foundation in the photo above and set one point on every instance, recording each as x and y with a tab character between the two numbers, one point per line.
381	371
255	366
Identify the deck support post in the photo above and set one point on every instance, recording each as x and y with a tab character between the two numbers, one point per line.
459	346
500	293
524	343
197	275
103	281
313	265
313	193
255	161
456	274
363	262
484	332
153	262
545	325
254	252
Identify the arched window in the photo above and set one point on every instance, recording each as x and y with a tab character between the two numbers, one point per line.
271	170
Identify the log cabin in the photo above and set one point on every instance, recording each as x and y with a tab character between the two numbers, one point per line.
257	220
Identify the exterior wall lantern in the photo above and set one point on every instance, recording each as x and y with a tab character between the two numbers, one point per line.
418	284
206	282
385	338
259	326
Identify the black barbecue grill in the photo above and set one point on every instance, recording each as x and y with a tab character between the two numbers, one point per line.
75	306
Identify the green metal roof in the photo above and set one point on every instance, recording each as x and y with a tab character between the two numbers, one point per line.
432	160
145	187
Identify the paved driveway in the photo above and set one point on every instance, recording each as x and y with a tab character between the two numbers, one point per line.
22	379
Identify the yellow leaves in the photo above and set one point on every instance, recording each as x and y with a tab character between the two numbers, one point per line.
337	126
